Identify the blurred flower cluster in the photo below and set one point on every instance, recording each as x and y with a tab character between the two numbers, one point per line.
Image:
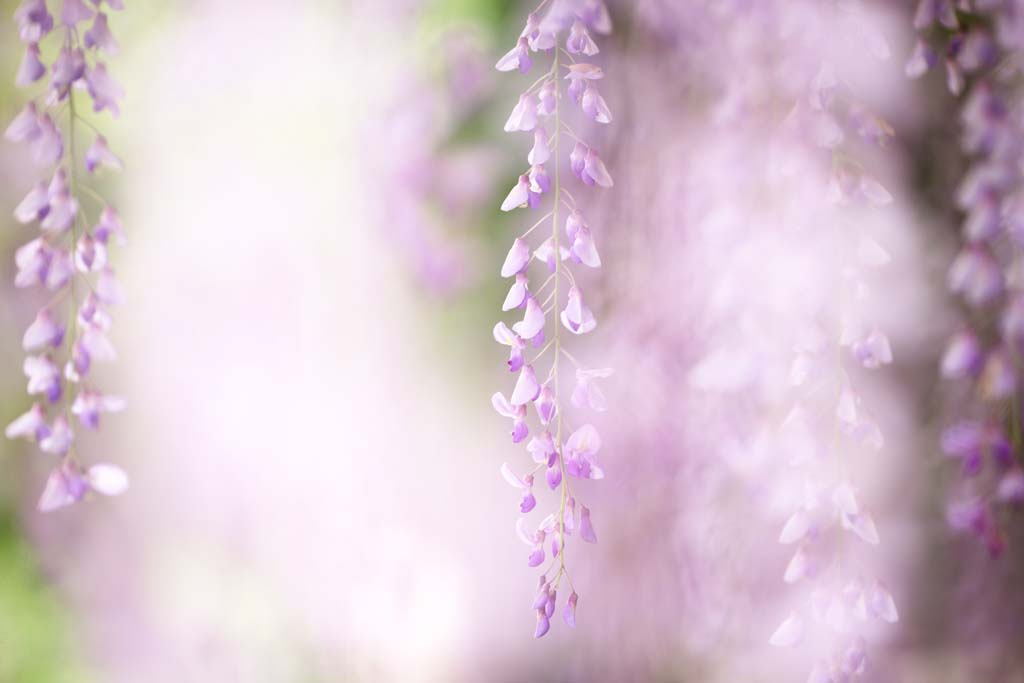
539	108
69	258
980	43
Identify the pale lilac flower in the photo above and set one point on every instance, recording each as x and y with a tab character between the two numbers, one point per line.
60	270
74	12
523	116
873	351
790	632
69	68
90	255
576	317
581	447
43	332
587	393
527	388
34	21
545	253
524	485
546	405
25	125
507	337
33	262
109	225
541	152
516	58
58	441
517	413
976	275
586	528
100	37
594	171
532	324
579	41
89	405
519	196
104	90
517	259
48	145
35	205
963	355
31	69
62	210
31	425
67	484
594	105
517	293
43	377
99	154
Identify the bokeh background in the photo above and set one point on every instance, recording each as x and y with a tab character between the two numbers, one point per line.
311	199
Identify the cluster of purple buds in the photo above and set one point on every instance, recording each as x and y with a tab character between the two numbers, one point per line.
69	258
562	30
982	40
836	600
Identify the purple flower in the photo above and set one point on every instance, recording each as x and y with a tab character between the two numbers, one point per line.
587	393
74	12
519	196
100	37
25	126
523	116
576	317
546	405
43	332
31	69
545	253
103	89
109	225
541	152
581	448
31	425
579	40
516	58
34	21
43	377
517	293
532	324
527	388
35	205
516	413
594	105
89	405
69	68
58	441
99	154
976	275
67	484
586	528
873	351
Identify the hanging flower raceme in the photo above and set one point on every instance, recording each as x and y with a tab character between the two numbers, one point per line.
70	257
561	31
982	46
830	525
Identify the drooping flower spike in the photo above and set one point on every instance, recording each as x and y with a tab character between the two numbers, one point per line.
563	31
979	43
829	525
70	257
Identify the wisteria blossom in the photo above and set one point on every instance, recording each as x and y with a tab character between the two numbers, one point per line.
830	422
980	46
559	31
70	257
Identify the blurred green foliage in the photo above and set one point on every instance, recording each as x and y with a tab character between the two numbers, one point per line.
35	642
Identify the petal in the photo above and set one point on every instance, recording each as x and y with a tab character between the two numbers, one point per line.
110	480
789	633
527	388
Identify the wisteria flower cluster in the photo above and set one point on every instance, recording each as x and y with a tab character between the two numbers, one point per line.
981	42
563	30
829	422
69	258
